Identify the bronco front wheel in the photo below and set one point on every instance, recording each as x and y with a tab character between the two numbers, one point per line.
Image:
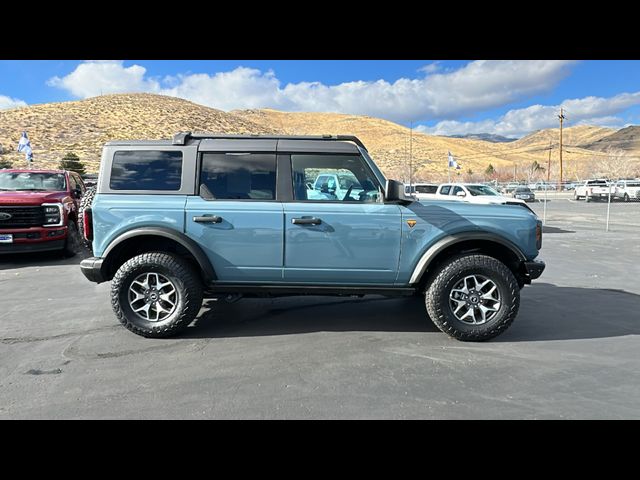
156	294
473	298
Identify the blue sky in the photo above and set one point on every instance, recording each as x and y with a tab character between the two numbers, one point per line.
510	98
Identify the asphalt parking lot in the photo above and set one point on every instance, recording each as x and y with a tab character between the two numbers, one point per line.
573	351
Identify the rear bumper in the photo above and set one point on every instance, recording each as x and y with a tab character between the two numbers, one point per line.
92	269
534	269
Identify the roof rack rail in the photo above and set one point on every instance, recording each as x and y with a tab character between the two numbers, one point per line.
181	138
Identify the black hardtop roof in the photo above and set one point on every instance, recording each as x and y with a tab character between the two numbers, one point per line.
188	138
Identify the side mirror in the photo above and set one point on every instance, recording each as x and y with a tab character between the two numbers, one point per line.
394	191
461	194
77	193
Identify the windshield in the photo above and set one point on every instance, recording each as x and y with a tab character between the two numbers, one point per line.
476	190
45	182
523	189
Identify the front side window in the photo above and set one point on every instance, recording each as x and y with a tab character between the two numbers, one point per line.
146	170
238	176
324	177
445	190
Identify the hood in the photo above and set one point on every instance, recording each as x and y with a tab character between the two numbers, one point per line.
495	209
31	198
495	199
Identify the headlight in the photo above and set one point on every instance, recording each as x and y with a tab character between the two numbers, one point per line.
53	214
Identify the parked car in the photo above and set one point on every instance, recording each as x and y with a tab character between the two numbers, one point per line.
593	189
627	190
213	215
423	191
39	211
524	193
510	187
334	185
475	193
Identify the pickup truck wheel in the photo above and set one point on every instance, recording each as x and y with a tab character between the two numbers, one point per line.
587	198
473	298
625	198
156	294
73	243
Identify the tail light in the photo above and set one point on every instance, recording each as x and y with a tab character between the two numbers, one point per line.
539	235
87	224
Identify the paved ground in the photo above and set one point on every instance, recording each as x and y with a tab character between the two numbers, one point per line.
573	351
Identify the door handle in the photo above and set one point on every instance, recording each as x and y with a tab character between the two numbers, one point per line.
306	221
208	219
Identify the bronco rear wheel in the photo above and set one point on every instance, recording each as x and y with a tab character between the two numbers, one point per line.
156	294
473	298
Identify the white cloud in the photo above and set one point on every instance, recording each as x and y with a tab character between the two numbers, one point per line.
431	68
519	122
97	77
474	87
8	102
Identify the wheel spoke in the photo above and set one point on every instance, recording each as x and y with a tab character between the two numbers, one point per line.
144	308
488	295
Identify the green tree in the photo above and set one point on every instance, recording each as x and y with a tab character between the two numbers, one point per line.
5	163
72	162
490	171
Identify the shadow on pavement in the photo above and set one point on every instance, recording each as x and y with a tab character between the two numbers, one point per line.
547	312
39	259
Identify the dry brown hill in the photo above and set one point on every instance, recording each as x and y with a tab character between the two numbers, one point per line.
84	126
626	139
388	142
579	136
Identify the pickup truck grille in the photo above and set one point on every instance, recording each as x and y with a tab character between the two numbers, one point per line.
21	217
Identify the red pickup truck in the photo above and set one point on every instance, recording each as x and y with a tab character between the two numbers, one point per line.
39	211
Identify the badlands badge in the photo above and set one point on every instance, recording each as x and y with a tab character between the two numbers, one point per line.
411	223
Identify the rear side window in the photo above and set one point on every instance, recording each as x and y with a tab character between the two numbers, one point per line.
238	176
426	188
445	190
146	170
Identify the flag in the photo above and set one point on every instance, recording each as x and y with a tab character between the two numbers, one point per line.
453	163
24	145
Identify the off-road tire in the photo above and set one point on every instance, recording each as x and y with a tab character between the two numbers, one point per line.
73	244
187	283
85	202
625	198
454	270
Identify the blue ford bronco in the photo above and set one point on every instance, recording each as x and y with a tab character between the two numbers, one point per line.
211	216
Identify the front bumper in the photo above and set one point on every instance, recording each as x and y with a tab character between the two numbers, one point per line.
533	269
29	247
92	269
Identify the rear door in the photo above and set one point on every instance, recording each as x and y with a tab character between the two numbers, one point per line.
235	216
352	239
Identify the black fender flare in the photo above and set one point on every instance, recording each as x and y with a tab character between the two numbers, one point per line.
445	242
190	245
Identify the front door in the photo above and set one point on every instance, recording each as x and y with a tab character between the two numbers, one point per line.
236	218
343	235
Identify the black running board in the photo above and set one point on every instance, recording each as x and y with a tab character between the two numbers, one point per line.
287	290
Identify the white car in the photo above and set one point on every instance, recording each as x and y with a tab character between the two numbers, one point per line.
474	193
422	191
626	190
